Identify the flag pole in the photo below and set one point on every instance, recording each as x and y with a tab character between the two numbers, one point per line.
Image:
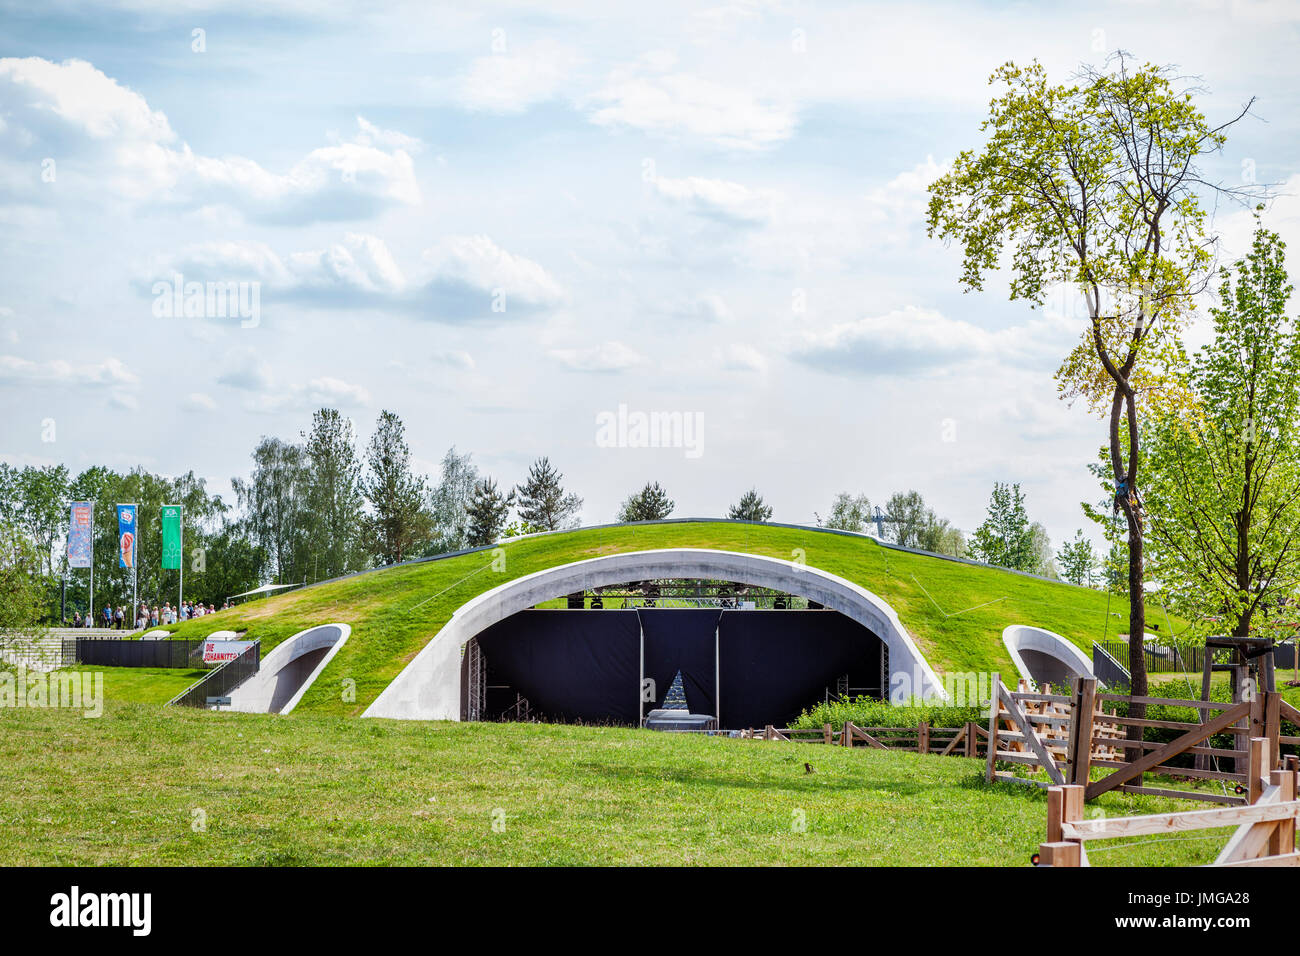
180	559
92	564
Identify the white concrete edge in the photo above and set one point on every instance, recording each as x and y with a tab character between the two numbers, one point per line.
289	651
428	688
1046	642
316	672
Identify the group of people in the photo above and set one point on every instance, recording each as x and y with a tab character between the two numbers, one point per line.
146	616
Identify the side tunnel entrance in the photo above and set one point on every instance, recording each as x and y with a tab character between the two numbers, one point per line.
745	667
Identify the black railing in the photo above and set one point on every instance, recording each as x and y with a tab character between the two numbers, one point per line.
1169	660
121	652
221	681
1109	670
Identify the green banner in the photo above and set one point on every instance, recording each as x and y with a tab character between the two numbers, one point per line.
171	537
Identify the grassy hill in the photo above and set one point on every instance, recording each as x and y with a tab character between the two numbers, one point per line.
954	611
154	786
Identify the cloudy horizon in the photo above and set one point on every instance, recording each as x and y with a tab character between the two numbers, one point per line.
506	224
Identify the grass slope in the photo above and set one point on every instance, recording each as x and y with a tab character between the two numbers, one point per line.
945	605
125	788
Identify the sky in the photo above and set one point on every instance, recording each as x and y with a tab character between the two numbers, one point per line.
507	221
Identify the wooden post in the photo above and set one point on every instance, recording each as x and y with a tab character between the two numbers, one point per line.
846	735
994	706
1273	727
923	737
1081	730
1065	853
827	734
1257	764
1282	839
970	738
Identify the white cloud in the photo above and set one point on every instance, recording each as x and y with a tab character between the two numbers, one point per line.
902	342
738	357
20	371
200	402
460	277
106	140
606	357
718	199
454	358
646	97
512	82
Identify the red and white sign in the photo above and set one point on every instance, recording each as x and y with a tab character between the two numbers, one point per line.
218	652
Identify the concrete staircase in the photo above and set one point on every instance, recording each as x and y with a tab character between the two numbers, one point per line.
40	650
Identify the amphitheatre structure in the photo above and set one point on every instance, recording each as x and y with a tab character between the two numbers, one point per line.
678	624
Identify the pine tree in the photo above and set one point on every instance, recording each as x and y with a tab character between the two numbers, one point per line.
651	503
751	507
543	502
487	512
400	521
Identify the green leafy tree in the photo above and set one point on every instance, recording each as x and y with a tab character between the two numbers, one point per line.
1006	537
274	504
1041	546
333	496
544	505
848	513
1078	560
400	521
449	503
751	507
487	510
22	594
651	503
1224	491
1093	186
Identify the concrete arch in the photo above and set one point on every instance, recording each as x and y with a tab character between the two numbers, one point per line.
1043	656
289	670
429	687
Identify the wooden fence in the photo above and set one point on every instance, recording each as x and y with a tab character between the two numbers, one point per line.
965	741
1266	826
1069	738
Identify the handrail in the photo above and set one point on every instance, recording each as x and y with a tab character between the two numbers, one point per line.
224	678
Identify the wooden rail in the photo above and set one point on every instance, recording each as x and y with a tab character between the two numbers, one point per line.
1266	826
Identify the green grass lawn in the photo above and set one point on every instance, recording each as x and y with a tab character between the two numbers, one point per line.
395	612
311	789
145	685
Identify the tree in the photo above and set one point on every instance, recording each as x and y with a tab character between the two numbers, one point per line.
1006	537
487	511
449	503
1093	186
21	591
908	517
334	502
543	502
274	503
400	520
1040	546
1224	491
751	507
912	524
651	503
1077	560
848	513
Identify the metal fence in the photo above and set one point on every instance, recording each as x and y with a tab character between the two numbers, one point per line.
121	652
1168	660
221	681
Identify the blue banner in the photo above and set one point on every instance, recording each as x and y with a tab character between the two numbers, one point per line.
79	531
126	534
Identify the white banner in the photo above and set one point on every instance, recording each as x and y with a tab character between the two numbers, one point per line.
218	652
